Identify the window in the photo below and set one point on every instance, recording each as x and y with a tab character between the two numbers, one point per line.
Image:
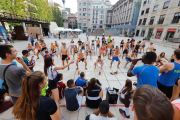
179	3
80	9
142	12
176	18
84	19
166	4
101	12
161	19
140	21
79	14
79	4
144	3
89	14
84	24
96	6
151	21
149	1
84	4
155	8
147	10
84	14
88	19
101	6
84	9
89	9
144	21
93	6
89	4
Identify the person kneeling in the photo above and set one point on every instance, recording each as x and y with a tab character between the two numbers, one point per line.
94	94
73	96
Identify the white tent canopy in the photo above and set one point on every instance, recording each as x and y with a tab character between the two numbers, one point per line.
59	29
66	29
78	30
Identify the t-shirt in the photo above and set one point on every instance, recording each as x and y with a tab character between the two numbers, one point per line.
61	87
80	82
109	39
14	77
95	91
71	95
43	92
49	72
48	55
32	38
79	42
46	107
147	75
121	90
94	117
26	34
27	62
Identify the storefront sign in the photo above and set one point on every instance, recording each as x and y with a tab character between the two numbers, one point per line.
159	29
171	30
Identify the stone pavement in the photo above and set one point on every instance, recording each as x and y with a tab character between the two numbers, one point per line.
105	78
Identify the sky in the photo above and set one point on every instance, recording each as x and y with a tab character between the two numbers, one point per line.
73	4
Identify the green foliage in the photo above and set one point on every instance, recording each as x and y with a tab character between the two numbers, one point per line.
57	16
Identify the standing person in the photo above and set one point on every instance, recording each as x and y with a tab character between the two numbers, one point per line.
37	37
147	74
44	48
94	94
125	96
73	96
150	48
97	44
30	48
38	47
83	46
26	35
87	42
13	75
113	42
50	71
30	63
116	57
53	50
44	108
149	103
136	50
143	45
130	57
32	39
10	37
102	113
109	39
159	59
110	49
57	45
88	50
102	50
103	40
122	45
61	87
64	54
79	43
99	63
49	34
125	50
92	48
170	75
81	58
75	51
59	34
71	46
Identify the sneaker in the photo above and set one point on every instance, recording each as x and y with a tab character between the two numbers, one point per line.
123	113
124	66
108	88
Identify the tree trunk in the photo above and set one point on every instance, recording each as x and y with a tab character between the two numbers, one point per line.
3	25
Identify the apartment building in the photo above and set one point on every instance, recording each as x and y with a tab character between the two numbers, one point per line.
159	19
125	15
72	20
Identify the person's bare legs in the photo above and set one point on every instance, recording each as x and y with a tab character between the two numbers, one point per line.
126	63
157	64
85	64
95	65
42	54
34	52
37	54
73	56
67	62
55	97
82	93
63	62
160	64
101	94
103	54
122	56
77	64
102	65
118	64
111	63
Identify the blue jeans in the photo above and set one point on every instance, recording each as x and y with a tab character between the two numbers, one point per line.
32	43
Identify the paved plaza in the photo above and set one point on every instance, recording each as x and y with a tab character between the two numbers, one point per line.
105	78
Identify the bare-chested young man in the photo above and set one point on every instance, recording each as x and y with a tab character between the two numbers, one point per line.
143	45
99	63
64	54
44	48
97	44
81	58
57	45
109	49
150	48
116	55
125	52
30	48
88	50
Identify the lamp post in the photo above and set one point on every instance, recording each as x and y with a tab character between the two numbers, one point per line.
63	3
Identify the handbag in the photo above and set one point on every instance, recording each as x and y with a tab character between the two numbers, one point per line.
57	78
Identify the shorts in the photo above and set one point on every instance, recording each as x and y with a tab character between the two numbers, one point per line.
83	48
87	44
30	50
136	51
54	51
159	61
93	103
14	99
102	51
79	99
90	52
143	46
57	45
115	58
64	57
109	50
167	90
93	48
125	51
121	46
52	84
97	45
75	51
43	49
128	59
39	50
79	60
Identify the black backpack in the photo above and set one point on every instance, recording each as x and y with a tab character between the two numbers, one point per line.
4	85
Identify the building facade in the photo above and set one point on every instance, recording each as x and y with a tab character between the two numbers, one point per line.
159	19
72	21
69	10
125	15
58	6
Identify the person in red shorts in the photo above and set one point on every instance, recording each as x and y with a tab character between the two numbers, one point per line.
61	87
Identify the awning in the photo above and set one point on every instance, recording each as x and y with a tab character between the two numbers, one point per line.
159	29
171	30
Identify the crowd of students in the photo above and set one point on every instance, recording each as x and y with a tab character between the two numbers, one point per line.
36	94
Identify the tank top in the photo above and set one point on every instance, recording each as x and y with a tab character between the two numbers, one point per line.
103	48
87	42
169	79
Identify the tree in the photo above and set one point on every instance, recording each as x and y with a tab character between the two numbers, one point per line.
57	16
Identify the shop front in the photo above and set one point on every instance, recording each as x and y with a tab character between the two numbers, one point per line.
170	33
159	33
143	32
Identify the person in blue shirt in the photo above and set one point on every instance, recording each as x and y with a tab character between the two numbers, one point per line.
32	40
81	80
31	63
170	75
147	74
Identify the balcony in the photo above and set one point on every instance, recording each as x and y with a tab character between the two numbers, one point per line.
160	22
151	23
175	21
144	23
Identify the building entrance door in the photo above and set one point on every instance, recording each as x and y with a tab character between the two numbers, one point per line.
137	32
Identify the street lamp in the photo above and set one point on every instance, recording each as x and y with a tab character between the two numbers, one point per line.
63	3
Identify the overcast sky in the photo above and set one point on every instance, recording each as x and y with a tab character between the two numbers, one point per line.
73	4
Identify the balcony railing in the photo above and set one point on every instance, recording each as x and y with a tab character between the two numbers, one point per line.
175	21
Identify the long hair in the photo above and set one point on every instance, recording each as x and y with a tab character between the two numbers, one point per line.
128	86
47	63
162	53
27	104
91	84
